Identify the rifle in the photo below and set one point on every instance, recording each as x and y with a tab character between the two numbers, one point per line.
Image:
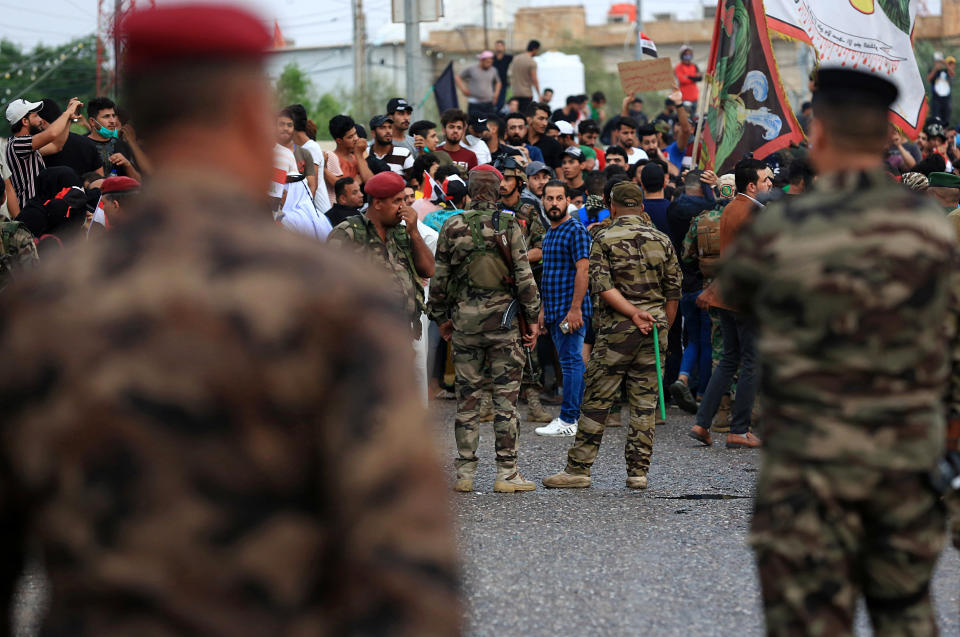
513	310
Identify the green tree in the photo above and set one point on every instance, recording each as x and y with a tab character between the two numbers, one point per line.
58	73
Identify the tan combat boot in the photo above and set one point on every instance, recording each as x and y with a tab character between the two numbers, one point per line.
721	421
535	410
636	482
564	480
463	485
513	483
485	411
615	418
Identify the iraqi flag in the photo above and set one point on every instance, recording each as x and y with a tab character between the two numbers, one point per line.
430	190
874	36
747	111
647	45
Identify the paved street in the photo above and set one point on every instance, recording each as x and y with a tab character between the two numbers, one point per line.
610	561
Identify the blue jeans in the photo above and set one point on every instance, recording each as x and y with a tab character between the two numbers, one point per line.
698	350
570	352
739	350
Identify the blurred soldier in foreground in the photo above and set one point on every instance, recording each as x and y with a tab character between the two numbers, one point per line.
854	287
471	300
235	446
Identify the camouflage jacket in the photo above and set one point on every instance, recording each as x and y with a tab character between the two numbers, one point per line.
395	256
234	448
454	295
533	229
18	251
632	256
855	289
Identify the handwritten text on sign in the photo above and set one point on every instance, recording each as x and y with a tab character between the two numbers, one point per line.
646	75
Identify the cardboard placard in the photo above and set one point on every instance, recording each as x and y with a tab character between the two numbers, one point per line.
637	76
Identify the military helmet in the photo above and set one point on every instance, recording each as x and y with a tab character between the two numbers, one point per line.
510	167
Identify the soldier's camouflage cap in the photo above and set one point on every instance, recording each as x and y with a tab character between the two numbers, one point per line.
627	194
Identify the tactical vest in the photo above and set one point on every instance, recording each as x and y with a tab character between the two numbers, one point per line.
708	244
399	234
16	244
484	268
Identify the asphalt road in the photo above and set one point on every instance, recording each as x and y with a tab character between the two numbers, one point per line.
611	561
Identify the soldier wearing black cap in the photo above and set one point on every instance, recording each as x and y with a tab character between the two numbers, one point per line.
235	447
853	287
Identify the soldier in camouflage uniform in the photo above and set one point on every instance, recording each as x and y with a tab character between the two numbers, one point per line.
398	249
18	251
634	269
469	295
234	445
854	286
527	214
701	249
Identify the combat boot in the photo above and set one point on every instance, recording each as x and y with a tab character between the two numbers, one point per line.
513	483
721	421
463	485
636	482
615	418
564	480
485	411
535	410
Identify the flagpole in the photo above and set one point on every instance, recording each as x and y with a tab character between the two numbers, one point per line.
638	28
701	115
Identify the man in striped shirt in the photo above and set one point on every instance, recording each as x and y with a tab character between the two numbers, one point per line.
31	140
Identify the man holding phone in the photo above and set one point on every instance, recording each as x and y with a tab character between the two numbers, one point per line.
114	151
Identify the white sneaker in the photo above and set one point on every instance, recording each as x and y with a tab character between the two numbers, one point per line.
557	428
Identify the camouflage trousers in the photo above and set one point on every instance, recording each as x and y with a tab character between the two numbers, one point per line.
825	533
490	360
623	355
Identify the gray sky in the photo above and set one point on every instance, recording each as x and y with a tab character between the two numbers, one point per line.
308	22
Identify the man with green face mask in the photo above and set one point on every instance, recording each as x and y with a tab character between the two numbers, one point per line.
116	154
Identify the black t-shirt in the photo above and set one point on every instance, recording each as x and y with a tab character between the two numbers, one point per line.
502	65
79	153
109	147
340	213
552	151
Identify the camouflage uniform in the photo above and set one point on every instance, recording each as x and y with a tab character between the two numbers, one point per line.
632	256
234	448
395	255
476	308
854	289
18	251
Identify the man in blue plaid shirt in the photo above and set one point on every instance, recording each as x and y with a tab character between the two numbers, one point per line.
566	307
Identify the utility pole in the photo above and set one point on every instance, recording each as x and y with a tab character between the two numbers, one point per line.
486	36
411	45
117	7
638	28
359	50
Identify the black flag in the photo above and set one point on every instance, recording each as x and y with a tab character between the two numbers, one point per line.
445	90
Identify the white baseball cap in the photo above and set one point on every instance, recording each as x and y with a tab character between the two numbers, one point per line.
565	127
18	109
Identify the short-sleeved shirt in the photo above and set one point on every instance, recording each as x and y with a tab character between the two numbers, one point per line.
563	246
79	152
633	257
108	148
321	199
480	83
399	159
464	158
333	165
24	164
521	75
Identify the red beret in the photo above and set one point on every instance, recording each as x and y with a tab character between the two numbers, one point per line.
491	169
176	33
385	184
118	184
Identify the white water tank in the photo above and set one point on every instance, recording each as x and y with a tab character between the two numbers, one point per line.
563	73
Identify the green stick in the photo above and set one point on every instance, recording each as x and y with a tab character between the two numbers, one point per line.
656	353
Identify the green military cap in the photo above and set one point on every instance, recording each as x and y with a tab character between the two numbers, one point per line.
627	194
661	126
944	180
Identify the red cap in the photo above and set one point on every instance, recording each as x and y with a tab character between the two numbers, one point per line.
385	184
490	168
175	33
118	184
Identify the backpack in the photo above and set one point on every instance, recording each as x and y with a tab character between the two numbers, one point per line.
484	267
708	242
18	251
